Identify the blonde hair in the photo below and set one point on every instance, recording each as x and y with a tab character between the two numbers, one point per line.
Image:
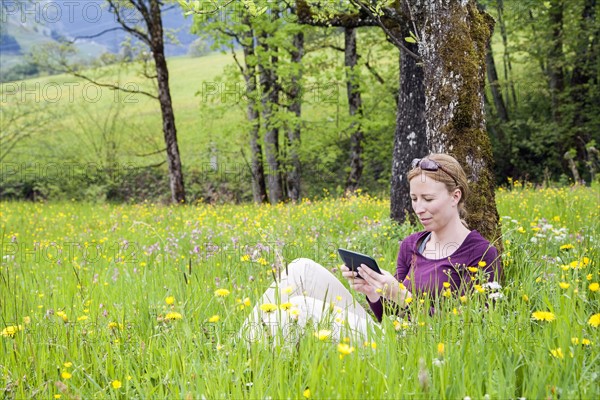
451	167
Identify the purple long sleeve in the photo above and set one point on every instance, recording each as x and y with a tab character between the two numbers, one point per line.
429	275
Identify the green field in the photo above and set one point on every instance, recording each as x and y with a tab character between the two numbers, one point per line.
116	301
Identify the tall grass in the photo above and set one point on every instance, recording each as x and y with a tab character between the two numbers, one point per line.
116	301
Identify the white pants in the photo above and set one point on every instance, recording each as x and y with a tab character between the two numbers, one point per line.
308	294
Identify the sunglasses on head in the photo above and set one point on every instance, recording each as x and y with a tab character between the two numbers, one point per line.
430	165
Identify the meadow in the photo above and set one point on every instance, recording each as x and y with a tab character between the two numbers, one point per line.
147	301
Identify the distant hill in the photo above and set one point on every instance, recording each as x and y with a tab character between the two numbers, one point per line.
25	24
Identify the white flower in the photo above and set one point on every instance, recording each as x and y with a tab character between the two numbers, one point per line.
496	296
492	285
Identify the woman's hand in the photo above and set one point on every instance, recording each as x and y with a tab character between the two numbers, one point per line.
360	285
376	285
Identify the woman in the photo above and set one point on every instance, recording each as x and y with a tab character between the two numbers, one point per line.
445	252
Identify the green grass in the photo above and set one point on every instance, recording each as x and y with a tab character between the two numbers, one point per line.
111	268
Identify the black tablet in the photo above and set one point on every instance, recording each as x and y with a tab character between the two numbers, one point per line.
353	260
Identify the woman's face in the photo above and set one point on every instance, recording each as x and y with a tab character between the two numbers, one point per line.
432	203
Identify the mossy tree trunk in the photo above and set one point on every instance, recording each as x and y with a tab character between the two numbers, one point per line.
453	47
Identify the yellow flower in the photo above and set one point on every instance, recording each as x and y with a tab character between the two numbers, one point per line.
57	396
116	384
66	375
63	315
482	263
463	299
585	342
479	288
222	292
285	306
401	286
114	325
408	300
447	293
10	331
473	269
214	318
82	318
172	316
268	307
594	286
306	393
27	320
564	285
543	316
446	284
170	300
440	349
526	298
521	229
566	246
588	277
247	302
288	290
594	320
344	349
68	364
557	353
323	334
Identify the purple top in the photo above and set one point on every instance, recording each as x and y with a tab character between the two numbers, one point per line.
429	275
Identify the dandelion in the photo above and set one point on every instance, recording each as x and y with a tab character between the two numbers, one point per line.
473	269
525	298
566	246
268	307
323	334
564	285
463	299
82	318
288	290
447	293
172	316
68	364
214	318
306	393
10	331
594	320
170	300
594	286
285	306
585	342
65	375
446	284
482	264
116	384
479	288
344	349
246	302
222	292
408	300
543	316
440	349
63	316
557	353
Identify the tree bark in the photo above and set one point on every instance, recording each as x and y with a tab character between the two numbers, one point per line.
410	141
354	108
556	57
453	46
270	99
492	74
259	189
155	31
293	142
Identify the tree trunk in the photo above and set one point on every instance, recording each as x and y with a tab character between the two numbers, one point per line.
453	46
556	58
293	174
259	189
155	31
492	74
270	99
410	141
354	108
